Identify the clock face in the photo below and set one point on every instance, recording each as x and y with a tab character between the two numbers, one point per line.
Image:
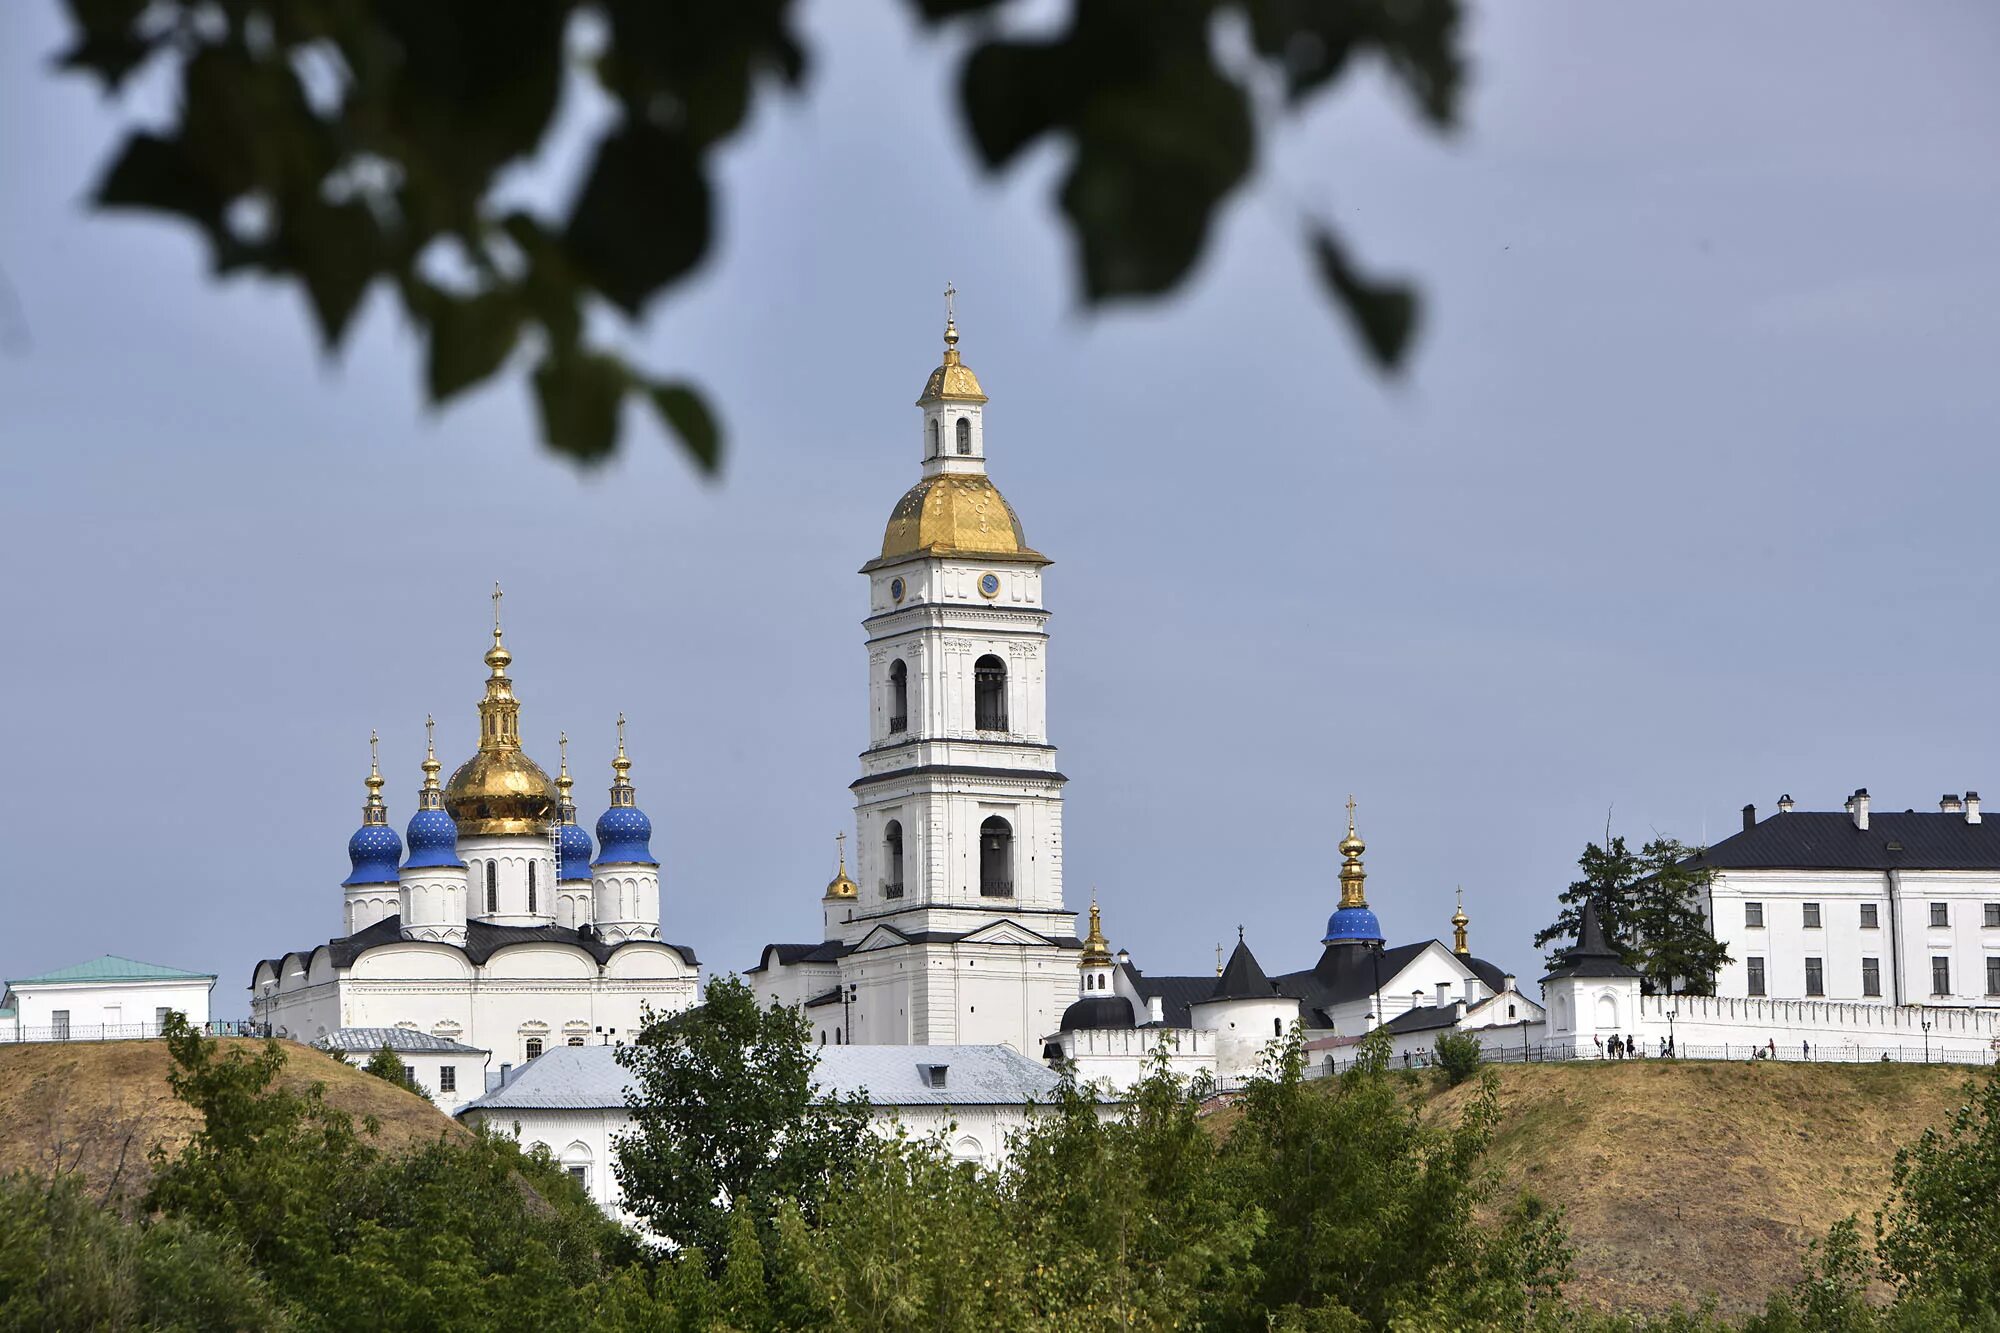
989	585
896	589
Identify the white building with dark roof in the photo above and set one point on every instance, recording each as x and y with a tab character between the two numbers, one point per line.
1860	905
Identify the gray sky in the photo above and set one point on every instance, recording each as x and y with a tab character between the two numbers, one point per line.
1684	502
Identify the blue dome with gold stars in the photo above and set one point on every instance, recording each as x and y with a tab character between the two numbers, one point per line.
576	852
374	851
624	837
433	841
1353	923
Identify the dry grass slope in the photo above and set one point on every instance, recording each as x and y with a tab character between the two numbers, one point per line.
97	1108
1688	1180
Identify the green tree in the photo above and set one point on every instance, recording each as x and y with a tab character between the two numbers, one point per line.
386	1065
725	1119
349	145
1459	1054
1677	950
1938	1237
1609	872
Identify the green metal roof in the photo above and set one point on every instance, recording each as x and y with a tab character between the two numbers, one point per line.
113	968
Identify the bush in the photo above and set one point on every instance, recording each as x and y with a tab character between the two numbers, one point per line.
1460	1056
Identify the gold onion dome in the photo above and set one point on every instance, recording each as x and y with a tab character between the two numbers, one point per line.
953	379
840	886
500	790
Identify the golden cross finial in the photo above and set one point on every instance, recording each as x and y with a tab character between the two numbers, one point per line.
497	595
840	845
950	314
1218	960
621	735
430	735
1461	897
374	753
1350	812
562	748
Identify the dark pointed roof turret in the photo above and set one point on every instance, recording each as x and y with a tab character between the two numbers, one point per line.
1594	954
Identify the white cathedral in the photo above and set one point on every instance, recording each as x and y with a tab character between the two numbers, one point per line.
498	933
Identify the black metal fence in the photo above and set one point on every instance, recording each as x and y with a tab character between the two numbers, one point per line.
1746	1052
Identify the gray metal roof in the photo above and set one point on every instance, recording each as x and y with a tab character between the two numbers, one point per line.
405	1041
1828	840
584	1078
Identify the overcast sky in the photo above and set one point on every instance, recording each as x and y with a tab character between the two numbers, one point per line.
1685	501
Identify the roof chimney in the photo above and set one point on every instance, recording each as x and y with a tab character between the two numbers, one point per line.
1444	994
1749	818
1507	981
1972	807
1857	806
1785	804
1950	804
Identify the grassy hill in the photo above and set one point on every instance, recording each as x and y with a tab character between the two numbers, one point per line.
97	1108
1684	1180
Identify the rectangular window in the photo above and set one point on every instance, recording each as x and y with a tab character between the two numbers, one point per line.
534	1048
1940	975
447	1078
1871	977
581	1175
59	1024
1815	977
1992	915
1753	914
1756	966
1993	976
1870	918
160	1018
410	1075
1812	916
1940	914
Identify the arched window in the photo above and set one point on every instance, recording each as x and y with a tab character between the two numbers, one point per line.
534	1048
836	1036
989	694
892	860
996	858
575	1041
531	886
965	435
492	888
1277	1027
899	695
934	439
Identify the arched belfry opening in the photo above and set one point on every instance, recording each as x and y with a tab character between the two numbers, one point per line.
996	858
892	860
934	439
899	696
989	694
965	435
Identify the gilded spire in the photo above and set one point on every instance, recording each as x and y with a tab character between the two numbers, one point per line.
1352	876
1459	921
621	768
1096	949
953	379
840	886
432	796
1218	960
499	711
565	804
374	812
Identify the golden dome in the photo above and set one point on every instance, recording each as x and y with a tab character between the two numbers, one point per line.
500	790
953	379
840	886
1096	949
955	514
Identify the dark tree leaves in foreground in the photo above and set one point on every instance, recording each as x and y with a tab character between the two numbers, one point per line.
725	1121
346	145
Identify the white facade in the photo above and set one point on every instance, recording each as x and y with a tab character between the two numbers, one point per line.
450	1073
955	930
106	999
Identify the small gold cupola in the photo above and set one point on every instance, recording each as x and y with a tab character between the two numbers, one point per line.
500	791
1459	921
375	812
432	795
1352	921
840	886
953	380
1096	949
